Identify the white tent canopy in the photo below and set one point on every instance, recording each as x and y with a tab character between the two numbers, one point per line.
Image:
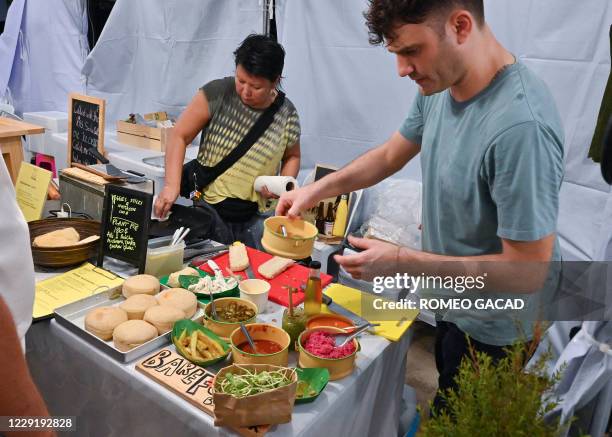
154	54
42	50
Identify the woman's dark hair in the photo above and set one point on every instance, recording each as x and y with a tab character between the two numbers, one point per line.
384	15
261	56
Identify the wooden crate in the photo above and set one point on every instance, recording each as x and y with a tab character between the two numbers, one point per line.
145	137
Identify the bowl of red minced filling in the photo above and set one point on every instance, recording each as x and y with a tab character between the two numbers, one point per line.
316	349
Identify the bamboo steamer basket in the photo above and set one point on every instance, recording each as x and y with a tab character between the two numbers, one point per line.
299	243
65	255
225	329
261	331
338	367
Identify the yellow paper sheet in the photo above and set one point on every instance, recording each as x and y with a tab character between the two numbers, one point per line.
71	286
350	299
31	188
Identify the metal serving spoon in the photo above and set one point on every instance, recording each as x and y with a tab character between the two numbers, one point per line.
342	339
248	337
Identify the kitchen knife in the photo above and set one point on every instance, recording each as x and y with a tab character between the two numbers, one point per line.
192	252
339	309
110	168
203	259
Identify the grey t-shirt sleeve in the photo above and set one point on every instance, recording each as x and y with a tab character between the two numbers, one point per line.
524	169
412	127
214	92
291	134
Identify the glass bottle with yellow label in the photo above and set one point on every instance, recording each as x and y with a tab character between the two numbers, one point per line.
314	290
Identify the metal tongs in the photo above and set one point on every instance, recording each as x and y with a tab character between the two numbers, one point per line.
342	339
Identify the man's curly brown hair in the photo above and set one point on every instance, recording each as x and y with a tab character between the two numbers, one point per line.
383	16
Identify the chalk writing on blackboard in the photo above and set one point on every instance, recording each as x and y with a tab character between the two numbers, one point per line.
125	224
86	129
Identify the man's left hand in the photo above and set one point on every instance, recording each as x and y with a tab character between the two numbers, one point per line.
378	258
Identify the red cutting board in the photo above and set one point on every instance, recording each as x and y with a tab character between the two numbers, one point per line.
294	276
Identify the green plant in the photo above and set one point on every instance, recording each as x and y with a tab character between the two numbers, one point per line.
498	399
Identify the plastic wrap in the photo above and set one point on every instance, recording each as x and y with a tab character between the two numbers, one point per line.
397	214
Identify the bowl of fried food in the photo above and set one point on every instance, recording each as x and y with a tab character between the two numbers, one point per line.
199	345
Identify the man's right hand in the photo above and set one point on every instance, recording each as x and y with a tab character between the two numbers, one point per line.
164	201
293	202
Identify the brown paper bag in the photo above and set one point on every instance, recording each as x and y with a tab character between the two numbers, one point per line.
268	408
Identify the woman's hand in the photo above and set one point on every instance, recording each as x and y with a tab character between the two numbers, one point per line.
266	194
165	200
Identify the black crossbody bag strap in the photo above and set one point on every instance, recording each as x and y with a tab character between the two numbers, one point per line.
263	122
197	176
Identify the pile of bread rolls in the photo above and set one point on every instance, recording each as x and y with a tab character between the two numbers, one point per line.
145	314
62	238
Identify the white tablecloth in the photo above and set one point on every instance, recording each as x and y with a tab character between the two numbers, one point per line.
112	399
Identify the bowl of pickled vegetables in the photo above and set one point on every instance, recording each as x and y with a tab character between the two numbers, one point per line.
231	311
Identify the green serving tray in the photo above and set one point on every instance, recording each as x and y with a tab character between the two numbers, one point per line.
187	280
190	326
316	377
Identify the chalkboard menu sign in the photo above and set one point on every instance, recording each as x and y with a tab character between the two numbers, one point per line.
322	171
85	128
125	225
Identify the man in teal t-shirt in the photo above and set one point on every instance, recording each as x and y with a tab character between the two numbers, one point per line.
491	147
492	167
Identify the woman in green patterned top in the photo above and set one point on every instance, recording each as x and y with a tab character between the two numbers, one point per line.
225	110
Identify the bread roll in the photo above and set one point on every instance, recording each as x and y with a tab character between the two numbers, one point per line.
135	306
163	317
274	267
179	298
238	257
133	333
102	321
58	238
140	284
173	279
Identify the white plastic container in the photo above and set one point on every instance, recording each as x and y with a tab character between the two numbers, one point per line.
163	259
52	121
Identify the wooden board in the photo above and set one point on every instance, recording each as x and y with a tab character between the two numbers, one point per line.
85	128
192	383
103	175
10	142
142	142
140	130
12	153
15	128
